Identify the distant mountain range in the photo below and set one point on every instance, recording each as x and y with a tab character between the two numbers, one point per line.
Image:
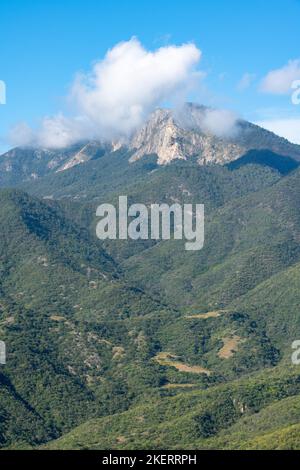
140	344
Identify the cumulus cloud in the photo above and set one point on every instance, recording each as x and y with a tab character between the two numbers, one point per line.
287	128
279	81
119	93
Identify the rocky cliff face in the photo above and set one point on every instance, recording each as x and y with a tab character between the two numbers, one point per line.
171	137
175	135
87	152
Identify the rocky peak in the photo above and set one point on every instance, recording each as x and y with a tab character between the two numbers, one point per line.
188	132
161	136
177	134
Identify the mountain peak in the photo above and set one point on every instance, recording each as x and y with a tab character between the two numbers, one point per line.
209	135
180	134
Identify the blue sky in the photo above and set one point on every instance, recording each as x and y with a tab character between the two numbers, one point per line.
43	44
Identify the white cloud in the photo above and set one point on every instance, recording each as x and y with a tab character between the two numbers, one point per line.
279	82
287	128
220	122
54	132
21	134
119	93
246	81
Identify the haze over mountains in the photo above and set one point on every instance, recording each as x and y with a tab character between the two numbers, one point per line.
123	344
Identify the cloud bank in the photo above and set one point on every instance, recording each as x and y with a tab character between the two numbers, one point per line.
279	82
118	94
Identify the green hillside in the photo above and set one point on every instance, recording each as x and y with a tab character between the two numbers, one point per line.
142	344
247	240
57	289
239	415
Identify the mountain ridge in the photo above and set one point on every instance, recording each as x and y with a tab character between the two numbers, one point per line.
169	134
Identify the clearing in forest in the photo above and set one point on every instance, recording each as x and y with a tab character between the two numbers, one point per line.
205	316
170	360
230	346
